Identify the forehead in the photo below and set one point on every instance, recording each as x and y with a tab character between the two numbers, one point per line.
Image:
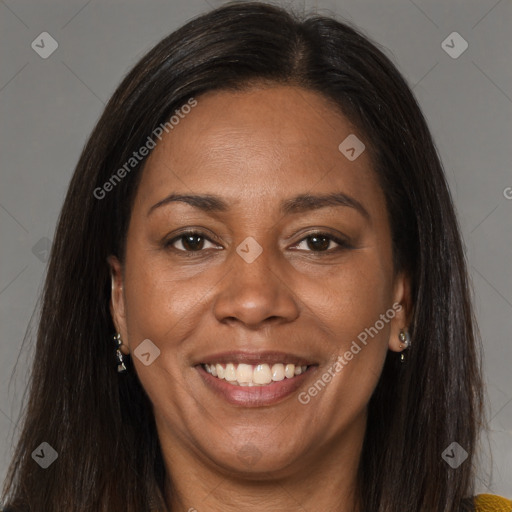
261	142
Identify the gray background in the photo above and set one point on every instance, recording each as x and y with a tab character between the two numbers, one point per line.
49	106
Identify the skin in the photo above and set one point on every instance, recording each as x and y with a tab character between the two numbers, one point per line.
254	149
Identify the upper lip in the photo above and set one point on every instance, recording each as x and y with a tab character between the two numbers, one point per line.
256	357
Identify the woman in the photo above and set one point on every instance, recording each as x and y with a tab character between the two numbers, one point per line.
257	297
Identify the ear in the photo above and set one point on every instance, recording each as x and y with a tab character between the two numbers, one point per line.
402	305
117	301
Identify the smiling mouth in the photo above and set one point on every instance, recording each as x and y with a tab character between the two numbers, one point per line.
254	375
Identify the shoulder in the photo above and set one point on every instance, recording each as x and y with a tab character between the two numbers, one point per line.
492	503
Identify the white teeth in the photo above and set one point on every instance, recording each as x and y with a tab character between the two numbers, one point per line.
220	371
289	370
244	373
262	374
254	375
230	373
278	372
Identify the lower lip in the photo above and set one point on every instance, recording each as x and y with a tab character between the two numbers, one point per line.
254	396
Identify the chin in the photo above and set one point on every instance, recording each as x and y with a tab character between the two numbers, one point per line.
254	459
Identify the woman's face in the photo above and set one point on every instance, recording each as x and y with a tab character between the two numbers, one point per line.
258	289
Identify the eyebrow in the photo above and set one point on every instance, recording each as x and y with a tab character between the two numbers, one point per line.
304	202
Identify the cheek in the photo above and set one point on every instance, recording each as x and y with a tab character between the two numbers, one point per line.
351	297
348	307
355	307
159	301
163	308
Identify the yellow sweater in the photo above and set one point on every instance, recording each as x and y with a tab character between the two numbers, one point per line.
492	503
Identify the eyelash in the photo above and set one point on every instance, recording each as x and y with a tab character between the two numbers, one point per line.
343	244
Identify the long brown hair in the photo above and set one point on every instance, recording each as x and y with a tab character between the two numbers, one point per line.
101	423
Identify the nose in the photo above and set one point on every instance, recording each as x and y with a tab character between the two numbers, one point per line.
256	293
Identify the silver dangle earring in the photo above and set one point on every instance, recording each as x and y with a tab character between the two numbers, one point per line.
406	342
121	368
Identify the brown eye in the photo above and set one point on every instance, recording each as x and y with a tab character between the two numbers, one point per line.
321	242
318	243
190	242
